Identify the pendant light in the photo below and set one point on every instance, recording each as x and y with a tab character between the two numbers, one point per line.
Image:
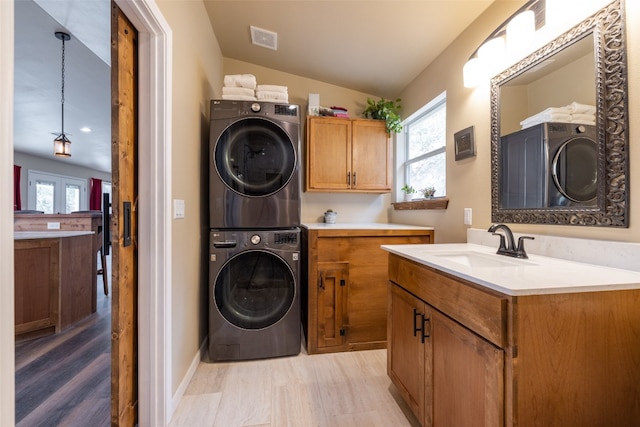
62	145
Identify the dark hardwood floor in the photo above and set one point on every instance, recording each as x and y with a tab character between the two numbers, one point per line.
65	379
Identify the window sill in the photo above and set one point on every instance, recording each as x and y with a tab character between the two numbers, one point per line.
437	203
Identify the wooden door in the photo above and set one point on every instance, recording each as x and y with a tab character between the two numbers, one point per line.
467	372
332	280
406	351
124	152
371	156
328	154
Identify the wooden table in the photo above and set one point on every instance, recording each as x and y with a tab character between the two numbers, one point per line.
54	280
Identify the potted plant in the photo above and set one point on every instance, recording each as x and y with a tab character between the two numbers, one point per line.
428	192
330	216
409	191
386	110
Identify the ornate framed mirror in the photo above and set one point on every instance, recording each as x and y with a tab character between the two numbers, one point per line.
533	180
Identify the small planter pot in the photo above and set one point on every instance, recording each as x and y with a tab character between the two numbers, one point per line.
408	197
330	217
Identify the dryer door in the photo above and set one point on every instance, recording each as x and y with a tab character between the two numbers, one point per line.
575	169
254	289
255	157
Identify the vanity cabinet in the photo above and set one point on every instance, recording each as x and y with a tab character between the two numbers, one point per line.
348	155
445	372
491	359
345	285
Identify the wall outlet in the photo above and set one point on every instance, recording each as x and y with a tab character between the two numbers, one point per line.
53	226
467	216
178	209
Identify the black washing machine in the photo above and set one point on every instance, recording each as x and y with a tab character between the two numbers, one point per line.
550	165
254	294
254	172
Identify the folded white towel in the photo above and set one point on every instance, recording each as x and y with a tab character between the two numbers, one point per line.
555	110
271	96
577	108
241	80
545	117
588	117
585	122
239	97
272	88
235	90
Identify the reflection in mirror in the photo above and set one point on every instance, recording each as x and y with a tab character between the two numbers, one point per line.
559	129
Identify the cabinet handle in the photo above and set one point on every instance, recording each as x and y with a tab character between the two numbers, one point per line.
426	326
349	178
321	282
355	179
416	328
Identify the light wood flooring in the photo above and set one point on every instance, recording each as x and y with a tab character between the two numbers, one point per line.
342	389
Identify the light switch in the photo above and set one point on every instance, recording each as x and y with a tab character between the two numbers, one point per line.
467	216
178	209
53	226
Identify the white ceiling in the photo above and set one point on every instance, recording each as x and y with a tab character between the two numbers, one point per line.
372	46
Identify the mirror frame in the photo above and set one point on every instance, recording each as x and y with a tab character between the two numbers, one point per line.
607	26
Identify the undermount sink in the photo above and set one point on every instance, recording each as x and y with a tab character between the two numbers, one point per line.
480	260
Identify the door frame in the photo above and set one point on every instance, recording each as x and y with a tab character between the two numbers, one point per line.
154	264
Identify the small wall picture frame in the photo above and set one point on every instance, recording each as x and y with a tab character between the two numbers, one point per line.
465	144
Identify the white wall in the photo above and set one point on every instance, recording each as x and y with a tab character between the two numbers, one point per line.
197	76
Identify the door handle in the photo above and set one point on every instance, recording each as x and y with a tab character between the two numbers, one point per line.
321	282
126	219
426	326
349	178
416	328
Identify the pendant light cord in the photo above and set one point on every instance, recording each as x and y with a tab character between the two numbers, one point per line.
62	98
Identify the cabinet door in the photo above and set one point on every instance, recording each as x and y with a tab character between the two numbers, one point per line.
371	156
328	154
332	279
467	373
407	350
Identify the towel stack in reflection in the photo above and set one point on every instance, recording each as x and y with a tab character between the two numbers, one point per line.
272	93
239	87
572	113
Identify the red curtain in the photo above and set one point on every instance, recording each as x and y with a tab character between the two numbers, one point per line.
95	197
17	203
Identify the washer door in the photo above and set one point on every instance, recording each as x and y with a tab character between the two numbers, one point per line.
254	157
575	169
254	289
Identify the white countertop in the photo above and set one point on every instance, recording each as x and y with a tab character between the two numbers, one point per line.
362	226
26	235
533	276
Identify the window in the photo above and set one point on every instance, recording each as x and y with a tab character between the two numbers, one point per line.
53	193
425	142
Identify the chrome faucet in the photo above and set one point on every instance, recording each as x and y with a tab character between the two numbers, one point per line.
508	245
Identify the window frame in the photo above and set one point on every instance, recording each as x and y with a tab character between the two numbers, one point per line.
403	154
60	183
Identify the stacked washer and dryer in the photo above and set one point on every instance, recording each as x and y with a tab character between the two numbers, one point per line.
254	242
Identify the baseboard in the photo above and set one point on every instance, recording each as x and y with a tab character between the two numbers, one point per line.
175	400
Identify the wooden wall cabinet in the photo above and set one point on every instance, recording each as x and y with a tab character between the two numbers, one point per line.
490	359
345	294
350	155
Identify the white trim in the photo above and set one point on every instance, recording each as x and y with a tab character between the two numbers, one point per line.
60	183
7	354
182	388
155	50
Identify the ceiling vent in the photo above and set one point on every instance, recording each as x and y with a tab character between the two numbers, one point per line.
264	38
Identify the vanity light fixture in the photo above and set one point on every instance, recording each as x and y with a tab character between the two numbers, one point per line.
510	38
62	144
